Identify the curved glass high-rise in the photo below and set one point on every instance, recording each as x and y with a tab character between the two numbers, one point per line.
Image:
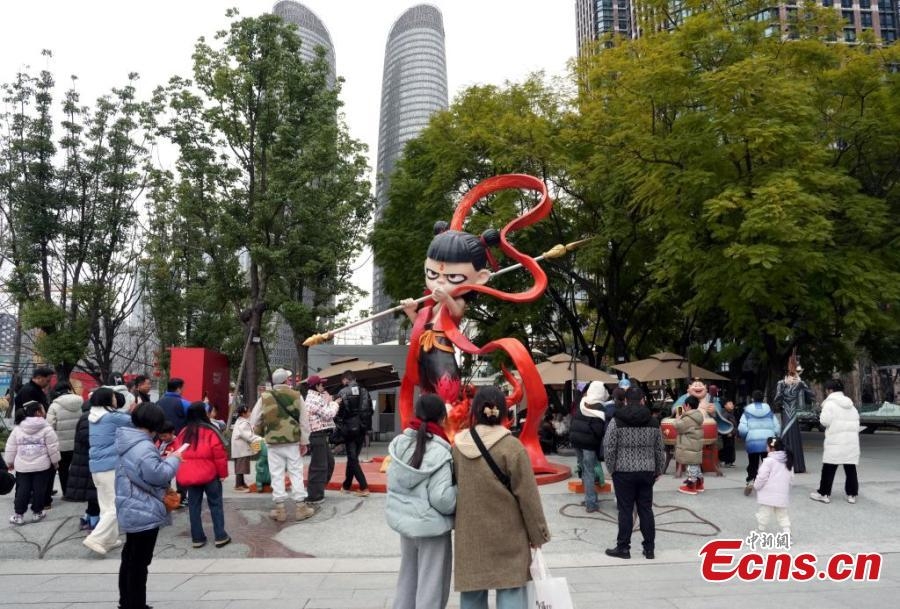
414	86
313	34
311	30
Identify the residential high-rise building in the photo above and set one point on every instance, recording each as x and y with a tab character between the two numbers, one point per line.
596	19
414	86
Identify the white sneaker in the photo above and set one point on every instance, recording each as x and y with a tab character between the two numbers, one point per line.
815	496
851	498
38	516
17	519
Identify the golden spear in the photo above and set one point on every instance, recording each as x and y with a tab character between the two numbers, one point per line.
557	251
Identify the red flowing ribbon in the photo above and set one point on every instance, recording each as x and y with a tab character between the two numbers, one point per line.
533	385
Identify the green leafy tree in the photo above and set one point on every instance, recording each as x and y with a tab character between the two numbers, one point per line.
70	211
270	178
600	299
736	144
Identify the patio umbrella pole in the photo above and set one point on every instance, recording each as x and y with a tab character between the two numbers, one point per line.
556	251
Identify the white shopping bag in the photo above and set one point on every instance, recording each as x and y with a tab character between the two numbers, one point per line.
545	592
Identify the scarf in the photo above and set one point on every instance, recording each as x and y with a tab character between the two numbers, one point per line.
431	427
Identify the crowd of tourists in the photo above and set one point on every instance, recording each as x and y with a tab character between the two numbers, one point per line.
133	462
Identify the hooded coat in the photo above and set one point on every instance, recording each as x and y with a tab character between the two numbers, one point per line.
757	425
80	486
589	420
63	416
32	446
773	480
104	424
204	460
420	502
633	442
495	525
689	444
142	477
841	421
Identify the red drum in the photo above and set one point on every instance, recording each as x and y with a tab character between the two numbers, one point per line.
710	462
710	431
669	433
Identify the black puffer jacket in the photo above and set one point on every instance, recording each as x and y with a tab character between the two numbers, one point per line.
586	432
80	486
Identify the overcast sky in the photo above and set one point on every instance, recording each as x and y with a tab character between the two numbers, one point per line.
487	41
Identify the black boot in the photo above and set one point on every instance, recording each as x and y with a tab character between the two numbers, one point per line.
618	552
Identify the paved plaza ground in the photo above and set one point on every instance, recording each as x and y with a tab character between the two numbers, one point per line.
347	557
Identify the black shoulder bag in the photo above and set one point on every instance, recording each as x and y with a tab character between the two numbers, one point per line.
503	478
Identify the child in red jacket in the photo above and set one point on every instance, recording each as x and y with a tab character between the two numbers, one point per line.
204	465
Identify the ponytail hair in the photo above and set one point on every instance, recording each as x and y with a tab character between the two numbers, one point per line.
778	444
429	409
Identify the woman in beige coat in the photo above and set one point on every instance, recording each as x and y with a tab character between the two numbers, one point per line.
496	525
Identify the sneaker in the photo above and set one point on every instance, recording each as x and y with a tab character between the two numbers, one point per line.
687	489
815	496
84	524
851	498
198	544
592	509
346	491
38	516
242	489
649	555
748	489
303	512
278	513
362	493
699	485
17	519
221	543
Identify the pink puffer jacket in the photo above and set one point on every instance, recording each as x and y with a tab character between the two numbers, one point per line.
773	481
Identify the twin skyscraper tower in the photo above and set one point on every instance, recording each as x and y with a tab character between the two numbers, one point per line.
413	87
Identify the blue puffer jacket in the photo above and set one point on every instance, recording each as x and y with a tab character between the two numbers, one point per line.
758	424
104	424
420	502
142	477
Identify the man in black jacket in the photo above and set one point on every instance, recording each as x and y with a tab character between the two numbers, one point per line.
355	417
635	456
35	389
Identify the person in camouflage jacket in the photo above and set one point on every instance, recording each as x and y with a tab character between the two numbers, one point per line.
281	418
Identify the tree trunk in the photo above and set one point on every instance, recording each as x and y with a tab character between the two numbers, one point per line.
17	353
302	358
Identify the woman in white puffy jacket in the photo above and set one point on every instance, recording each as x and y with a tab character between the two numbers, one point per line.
841	421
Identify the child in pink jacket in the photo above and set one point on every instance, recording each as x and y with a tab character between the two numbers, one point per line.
33	451
773	485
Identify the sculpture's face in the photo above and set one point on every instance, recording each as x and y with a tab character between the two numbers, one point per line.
697	389
448	275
